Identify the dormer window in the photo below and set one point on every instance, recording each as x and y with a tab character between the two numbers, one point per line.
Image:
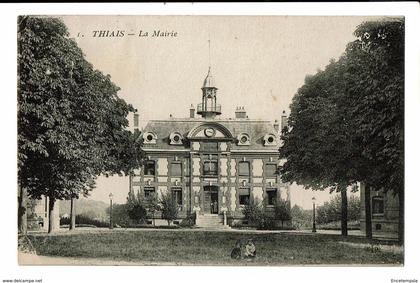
149	138
175	138
270	140
243	139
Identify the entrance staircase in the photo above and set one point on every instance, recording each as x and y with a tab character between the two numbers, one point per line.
211	221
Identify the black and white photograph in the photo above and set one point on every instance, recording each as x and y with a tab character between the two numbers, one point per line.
213	140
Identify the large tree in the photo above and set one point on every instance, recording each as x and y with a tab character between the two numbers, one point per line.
376	60
346	122
71	122
318	145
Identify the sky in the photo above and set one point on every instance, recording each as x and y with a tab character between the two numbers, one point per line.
258	62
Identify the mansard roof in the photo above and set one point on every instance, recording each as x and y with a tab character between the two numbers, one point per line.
230	128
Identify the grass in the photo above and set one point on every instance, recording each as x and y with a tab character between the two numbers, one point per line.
214	247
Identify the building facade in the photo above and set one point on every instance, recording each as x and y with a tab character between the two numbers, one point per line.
384	213
213	167
40	217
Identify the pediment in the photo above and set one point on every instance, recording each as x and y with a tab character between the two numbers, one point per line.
209	130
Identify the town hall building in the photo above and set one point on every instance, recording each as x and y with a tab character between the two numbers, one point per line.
213	167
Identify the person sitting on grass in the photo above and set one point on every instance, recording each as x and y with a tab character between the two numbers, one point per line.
236	252
250	250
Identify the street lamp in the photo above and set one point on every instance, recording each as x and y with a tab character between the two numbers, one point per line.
313	216
111	226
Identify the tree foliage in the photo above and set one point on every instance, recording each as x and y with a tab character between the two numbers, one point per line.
136	207
120	215
169	207
376	59
282	211
152	205
319	145
301	219
330	211
71	122
265	217
346	122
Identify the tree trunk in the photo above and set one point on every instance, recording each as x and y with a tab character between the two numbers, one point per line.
51	220
72	214
401	216
368	213
22	215
344	231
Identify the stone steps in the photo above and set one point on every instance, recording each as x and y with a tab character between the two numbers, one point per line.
212	221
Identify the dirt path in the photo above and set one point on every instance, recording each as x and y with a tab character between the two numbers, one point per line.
33	259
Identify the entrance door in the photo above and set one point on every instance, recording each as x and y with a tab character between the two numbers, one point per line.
211	200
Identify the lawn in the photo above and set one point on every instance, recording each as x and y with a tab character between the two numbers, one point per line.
214	247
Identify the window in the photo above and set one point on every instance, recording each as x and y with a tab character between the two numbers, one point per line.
243	168
243	139
149	191
149	168
270	170
270	140
149	138
244	196
210	168
176	169
177	195
377	205
175	138
271	196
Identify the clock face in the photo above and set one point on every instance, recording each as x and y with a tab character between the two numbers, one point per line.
209	132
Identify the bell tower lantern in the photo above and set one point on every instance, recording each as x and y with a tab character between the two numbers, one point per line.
209	108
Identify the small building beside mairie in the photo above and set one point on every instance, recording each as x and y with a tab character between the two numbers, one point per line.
213	167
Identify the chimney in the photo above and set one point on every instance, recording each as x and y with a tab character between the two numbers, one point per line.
283	120
192	111
276	125
136	121
240	113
